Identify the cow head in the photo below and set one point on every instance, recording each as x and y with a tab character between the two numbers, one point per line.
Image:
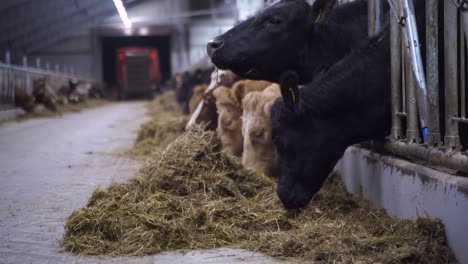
307	148
229	120
276	39
259	150
208	113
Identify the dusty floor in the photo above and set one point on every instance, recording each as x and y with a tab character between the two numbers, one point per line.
49	167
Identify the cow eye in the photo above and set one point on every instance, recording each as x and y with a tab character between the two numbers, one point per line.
274	21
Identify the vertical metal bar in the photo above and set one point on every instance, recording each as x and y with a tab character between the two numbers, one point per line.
452	140
413	49
395	48
462	70
371	17
375	16
412	134
432	71
403	78
7	57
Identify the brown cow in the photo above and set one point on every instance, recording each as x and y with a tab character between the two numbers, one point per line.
229	108
24	100
259	151
197	96
44	95
205	112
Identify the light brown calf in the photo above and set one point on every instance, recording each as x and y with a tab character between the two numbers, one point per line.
229	108
197	96
259	151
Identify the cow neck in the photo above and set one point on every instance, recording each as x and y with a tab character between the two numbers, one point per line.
329	43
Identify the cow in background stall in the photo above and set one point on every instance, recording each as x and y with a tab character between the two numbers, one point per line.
197	97
206	112
80	92
190	80
259	151
24	100
229	108
43	94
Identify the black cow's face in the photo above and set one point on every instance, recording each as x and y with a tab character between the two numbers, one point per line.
263	46
307	148
307	152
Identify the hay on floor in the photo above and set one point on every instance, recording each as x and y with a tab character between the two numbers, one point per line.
166	123
193	196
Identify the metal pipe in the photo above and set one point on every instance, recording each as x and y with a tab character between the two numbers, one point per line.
452	139
462	71
412	134
432	54
413	48
375	16
25	61
403	77
433	156
395	48
396	11
7	57
371	17
461	119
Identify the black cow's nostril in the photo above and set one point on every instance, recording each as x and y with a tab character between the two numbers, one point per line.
212	46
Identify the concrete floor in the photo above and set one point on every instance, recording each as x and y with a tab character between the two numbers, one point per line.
49	167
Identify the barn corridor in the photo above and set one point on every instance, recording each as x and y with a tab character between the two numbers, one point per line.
49	168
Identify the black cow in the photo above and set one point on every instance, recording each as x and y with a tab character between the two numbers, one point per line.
190	80
312	127
291	35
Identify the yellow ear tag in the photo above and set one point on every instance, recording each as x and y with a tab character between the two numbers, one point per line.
293	95
319	16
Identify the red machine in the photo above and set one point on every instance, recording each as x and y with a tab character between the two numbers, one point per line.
137	71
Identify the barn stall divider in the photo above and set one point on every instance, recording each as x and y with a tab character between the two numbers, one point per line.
15	76
426	175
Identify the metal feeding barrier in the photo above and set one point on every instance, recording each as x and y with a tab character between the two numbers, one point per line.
14	76
416	92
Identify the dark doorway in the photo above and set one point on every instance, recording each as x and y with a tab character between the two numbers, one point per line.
110	45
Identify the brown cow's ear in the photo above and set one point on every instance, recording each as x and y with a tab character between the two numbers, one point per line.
321	9
239	92
289	85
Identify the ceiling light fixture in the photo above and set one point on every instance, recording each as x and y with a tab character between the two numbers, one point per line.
123	13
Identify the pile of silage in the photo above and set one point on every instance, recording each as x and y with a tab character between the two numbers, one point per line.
167	122
196	197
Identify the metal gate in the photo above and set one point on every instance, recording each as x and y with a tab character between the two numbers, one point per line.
13	76
422	128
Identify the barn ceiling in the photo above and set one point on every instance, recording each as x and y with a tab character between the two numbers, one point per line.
31	25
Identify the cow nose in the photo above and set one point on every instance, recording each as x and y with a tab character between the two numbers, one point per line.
212	46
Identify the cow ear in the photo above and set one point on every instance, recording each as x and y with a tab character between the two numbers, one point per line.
321	9
289	85
239	92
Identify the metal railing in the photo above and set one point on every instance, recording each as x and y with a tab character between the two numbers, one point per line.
412	109
14	76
